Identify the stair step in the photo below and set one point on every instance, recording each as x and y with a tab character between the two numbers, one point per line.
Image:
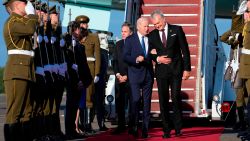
190	83
171	1
182	21
192	40
172	9
186	106
185	96
193	51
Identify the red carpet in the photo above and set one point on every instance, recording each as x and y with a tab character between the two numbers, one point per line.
189	134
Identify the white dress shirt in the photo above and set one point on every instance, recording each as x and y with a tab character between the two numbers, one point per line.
166	32
145	41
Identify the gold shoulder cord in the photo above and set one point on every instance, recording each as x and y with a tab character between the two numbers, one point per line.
13	19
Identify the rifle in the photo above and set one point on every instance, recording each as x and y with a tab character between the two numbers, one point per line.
235	79
63	66
47	33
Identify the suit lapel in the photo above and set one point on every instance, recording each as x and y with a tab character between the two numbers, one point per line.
170	30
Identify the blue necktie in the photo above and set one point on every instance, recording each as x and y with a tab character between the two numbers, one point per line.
143	45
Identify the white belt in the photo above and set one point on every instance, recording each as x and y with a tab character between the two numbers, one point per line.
91	59
22	52
40	70
245	51
48	68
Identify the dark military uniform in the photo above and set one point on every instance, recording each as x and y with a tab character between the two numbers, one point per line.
19	75
39	90
60	81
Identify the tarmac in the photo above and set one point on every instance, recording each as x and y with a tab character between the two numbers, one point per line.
227	135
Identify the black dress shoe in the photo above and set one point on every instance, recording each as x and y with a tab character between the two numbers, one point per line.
133	131
145	135
178	133
118	130
166	135
241	134
103	128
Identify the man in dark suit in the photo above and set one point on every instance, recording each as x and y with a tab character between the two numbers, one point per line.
140	75
172	59
121	73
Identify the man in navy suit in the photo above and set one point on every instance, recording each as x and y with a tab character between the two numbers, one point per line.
140	75
121	73
172	59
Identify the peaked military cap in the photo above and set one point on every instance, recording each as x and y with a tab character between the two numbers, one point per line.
7	1
42	7
52	10
82	19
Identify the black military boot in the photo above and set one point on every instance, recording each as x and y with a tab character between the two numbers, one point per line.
12	132
57	128
26	131
241	114
241	125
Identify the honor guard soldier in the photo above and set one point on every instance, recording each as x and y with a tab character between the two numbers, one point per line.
51	75
244	67
58	60
234	38
45	51
92	50
19	72
39	88
100	86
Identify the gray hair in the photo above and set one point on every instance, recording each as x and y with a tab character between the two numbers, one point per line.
140	20
157	12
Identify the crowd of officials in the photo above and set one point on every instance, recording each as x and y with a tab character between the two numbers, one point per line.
43	62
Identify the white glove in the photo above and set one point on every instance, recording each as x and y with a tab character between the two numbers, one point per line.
46	39
242	8
62	43
29	9
96	79
39	39
73	43
75	67
53	40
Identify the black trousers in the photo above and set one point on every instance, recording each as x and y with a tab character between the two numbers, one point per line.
122	102
163	90
100	87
